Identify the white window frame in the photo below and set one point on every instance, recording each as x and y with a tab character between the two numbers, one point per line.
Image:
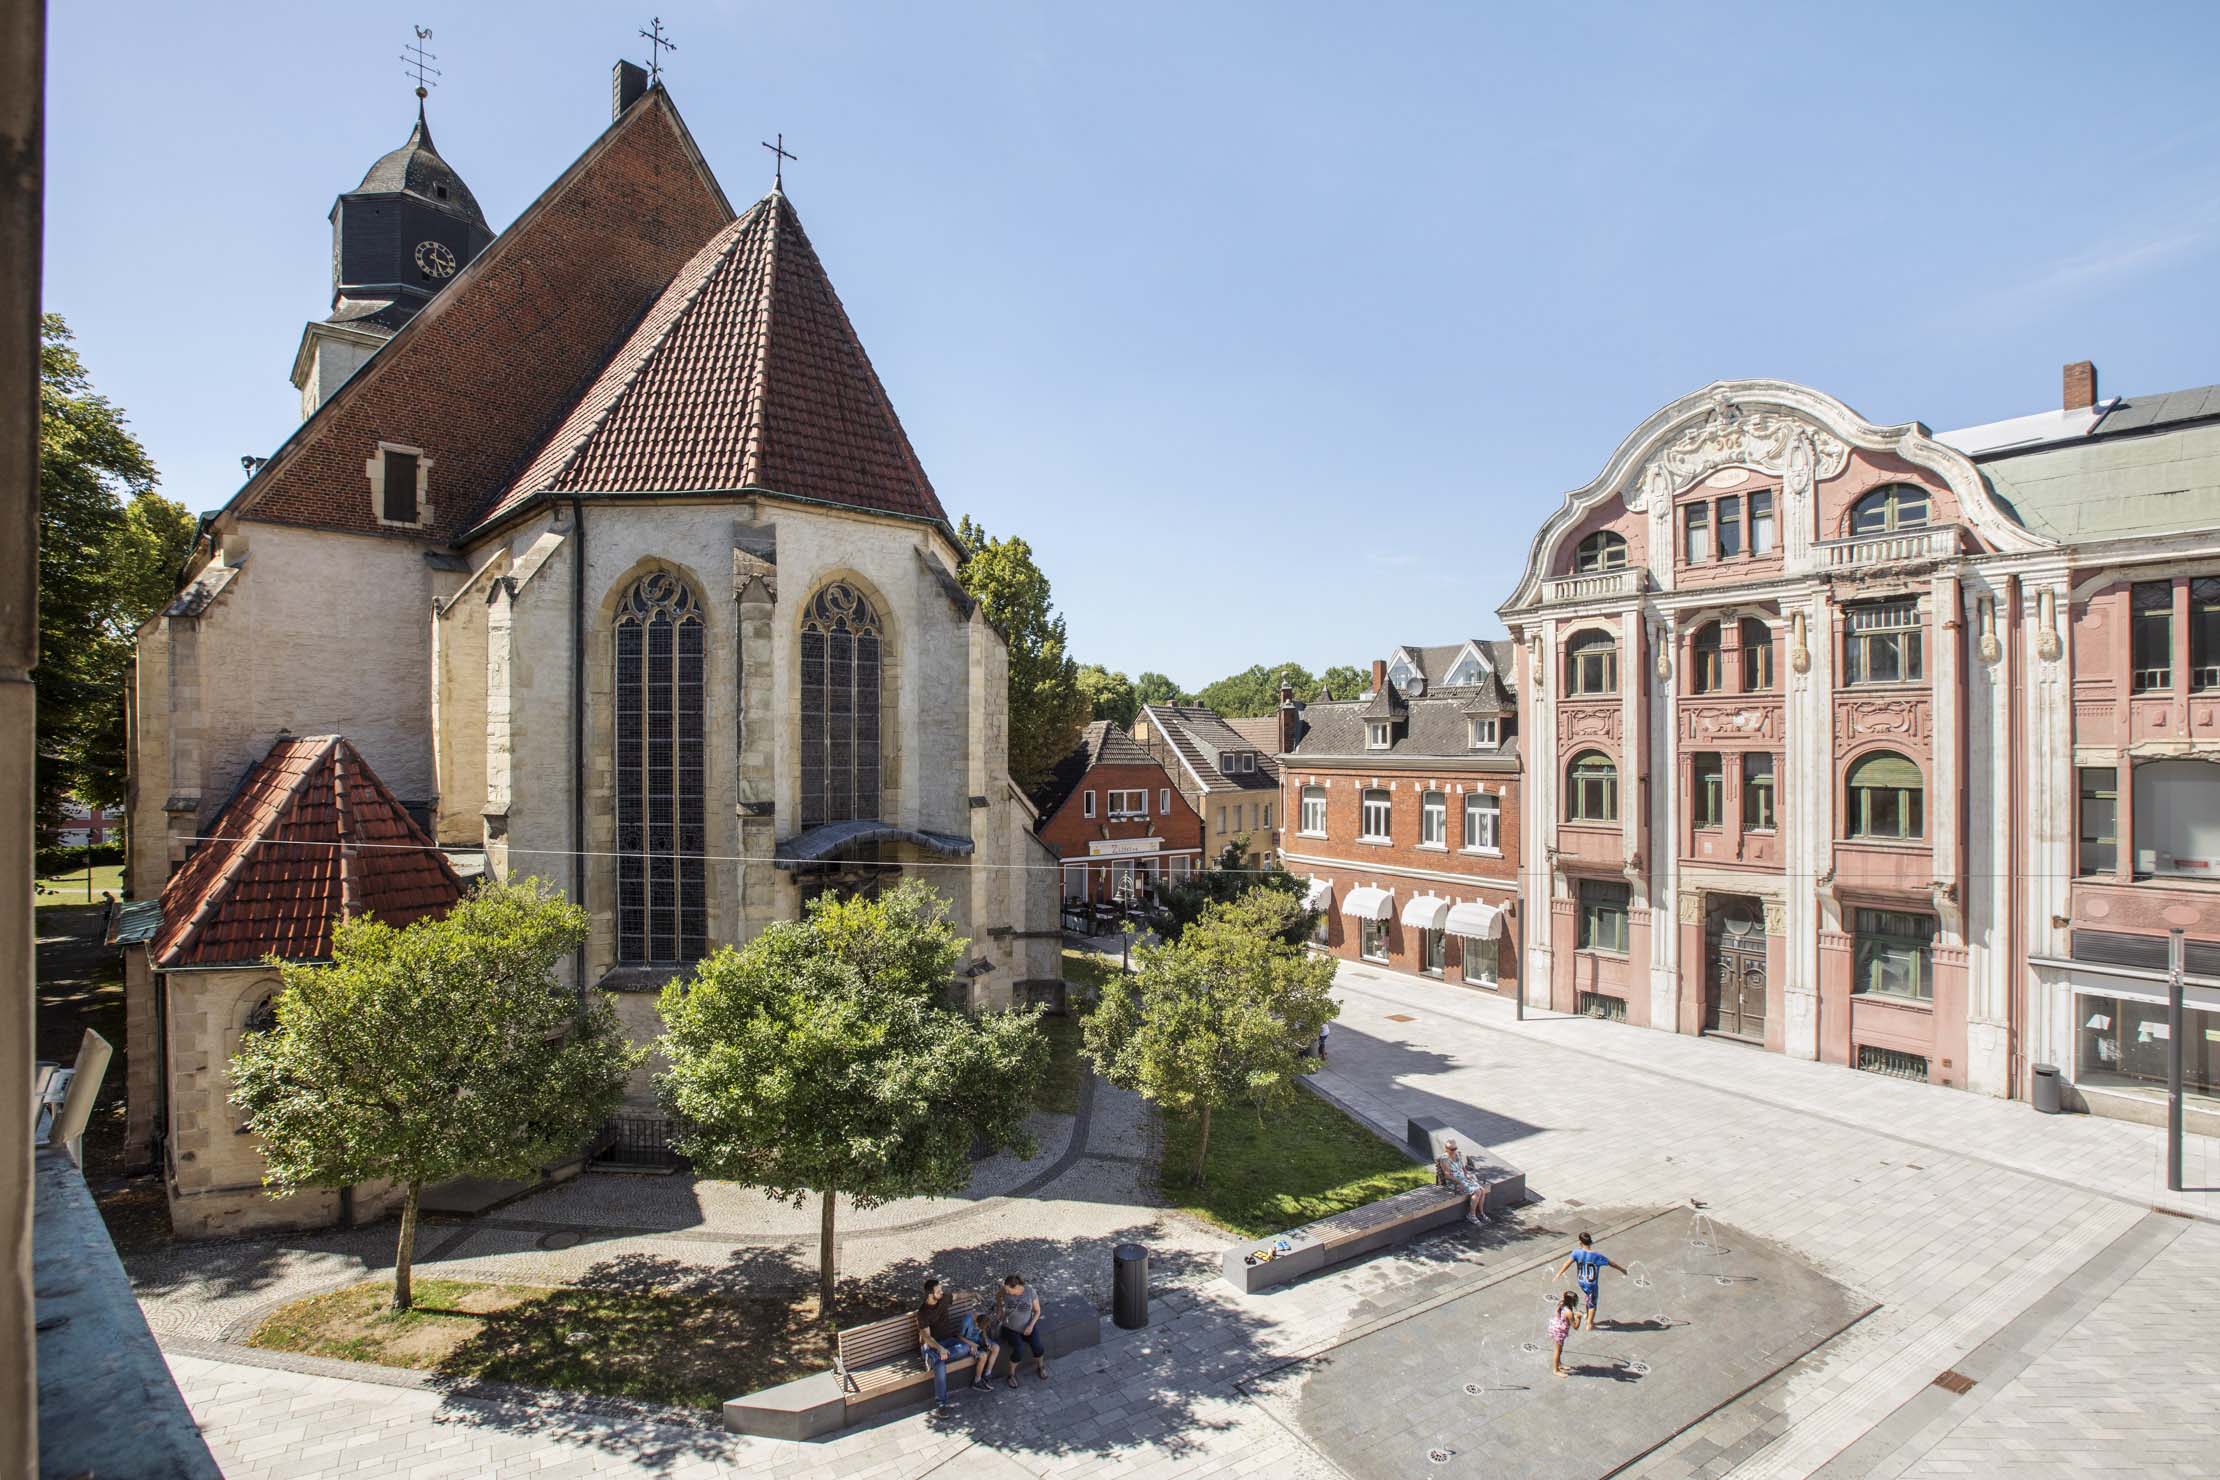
375	467
1370	932
1164	802
1264	818
1481	805
1386	804
1433	820
1124	807
1480	954
1309	828
1087	802
1377	733
1482	733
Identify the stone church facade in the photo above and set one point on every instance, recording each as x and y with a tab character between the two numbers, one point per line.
602	544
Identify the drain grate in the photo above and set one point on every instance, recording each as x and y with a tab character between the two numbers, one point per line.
1440	1456
1954	1381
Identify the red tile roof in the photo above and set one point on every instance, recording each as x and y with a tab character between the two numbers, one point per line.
745	374
499	354
311	837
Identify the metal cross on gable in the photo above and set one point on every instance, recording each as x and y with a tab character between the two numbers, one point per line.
658	43
779	157
417	62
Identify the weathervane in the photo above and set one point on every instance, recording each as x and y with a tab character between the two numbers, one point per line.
778	161
658	43
418	62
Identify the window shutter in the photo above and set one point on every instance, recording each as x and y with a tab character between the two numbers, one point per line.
400	488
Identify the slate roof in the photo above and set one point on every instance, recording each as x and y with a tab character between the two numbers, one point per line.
1435	728
745	374
417	169
1101	742
1434	662
310	838
1198	736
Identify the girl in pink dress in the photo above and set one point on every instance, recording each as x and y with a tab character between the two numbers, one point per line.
1560	1326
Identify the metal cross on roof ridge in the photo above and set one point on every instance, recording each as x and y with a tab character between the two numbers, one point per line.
779	157
418	62
658	43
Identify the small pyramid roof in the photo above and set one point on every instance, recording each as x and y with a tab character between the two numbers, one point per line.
310	838
744	374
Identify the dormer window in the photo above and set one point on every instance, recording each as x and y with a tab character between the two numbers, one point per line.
400	486
1376	734
1603	550
1482	733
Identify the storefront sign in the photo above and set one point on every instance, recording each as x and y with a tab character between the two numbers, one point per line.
1118	847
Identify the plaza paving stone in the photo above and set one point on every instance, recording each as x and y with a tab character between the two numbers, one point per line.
1977	1228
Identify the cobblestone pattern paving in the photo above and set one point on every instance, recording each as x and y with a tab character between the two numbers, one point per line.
1956	1214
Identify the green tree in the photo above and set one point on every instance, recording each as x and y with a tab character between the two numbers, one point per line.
1154	688
822	1057
1229	876
1109	694
1343	682
1256	690
1223	1016
443	1049
1046	705
109	552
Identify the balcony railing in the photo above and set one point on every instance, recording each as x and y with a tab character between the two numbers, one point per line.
1910	546
1599	585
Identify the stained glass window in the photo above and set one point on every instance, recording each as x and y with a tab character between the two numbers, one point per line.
662	909
840	707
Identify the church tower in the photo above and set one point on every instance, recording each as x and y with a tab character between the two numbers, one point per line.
396	239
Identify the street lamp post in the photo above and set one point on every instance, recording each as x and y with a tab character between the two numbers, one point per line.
2175	952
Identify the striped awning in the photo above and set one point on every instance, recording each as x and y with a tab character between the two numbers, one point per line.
1368	904
1319	896
1475	921
1425	912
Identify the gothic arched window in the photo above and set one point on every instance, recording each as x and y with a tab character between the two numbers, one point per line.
840	707
662	910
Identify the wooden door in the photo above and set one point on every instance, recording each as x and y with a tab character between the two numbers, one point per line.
1734	983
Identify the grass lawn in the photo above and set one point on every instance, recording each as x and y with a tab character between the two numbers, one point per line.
658	1346
1066	1069
70	888
1086	971
1289	1167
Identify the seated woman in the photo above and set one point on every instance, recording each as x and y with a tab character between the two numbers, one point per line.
1452	1170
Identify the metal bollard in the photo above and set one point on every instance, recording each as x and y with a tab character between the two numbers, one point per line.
1129	1287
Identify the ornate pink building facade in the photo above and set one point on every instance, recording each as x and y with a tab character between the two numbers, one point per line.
1877	747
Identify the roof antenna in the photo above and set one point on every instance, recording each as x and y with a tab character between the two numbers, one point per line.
778	162
417	62
658	43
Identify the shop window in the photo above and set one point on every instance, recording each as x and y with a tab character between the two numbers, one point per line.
1372	940
1602	550
1591	788
1314	811
1887	510
1882	643
1592	664
1709	771
1479	962
1894	954
2177	819
2124	1041
1887	798
1757	656
2151	628
2099	852
1757	792
1603	907
1433	952
1707	674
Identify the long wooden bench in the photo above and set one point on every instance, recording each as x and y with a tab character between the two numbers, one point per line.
883	1359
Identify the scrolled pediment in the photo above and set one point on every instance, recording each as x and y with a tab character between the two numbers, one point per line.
1739	436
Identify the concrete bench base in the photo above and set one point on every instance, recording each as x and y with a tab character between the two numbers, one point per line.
812	1407
1507	1183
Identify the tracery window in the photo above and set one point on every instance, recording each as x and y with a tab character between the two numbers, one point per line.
662	908
841	637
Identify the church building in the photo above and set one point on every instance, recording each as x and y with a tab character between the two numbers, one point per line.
601	546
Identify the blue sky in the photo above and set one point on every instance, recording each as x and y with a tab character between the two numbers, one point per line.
1276	328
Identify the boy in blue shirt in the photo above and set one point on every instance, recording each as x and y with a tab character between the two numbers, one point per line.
1591	1266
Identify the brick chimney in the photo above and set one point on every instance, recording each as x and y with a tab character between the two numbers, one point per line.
2081	385
1291	719
1379	674
627	82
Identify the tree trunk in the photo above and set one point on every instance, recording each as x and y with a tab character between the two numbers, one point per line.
1202	1143
403	1297
825	1270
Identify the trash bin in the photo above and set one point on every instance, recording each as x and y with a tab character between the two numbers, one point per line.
1129	1287
2046	1089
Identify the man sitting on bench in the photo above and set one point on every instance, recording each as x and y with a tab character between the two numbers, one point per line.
942	1339
1452	1170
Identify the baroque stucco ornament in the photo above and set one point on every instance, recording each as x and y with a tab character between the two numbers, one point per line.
1741	436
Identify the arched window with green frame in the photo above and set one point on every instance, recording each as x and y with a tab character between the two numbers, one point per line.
1888	509
1887	798
1591	788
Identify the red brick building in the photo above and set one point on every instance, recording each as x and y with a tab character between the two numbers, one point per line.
1114	817
1402	809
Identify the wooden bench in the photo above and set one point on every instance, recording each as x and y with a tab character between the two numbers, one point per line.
884	1359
